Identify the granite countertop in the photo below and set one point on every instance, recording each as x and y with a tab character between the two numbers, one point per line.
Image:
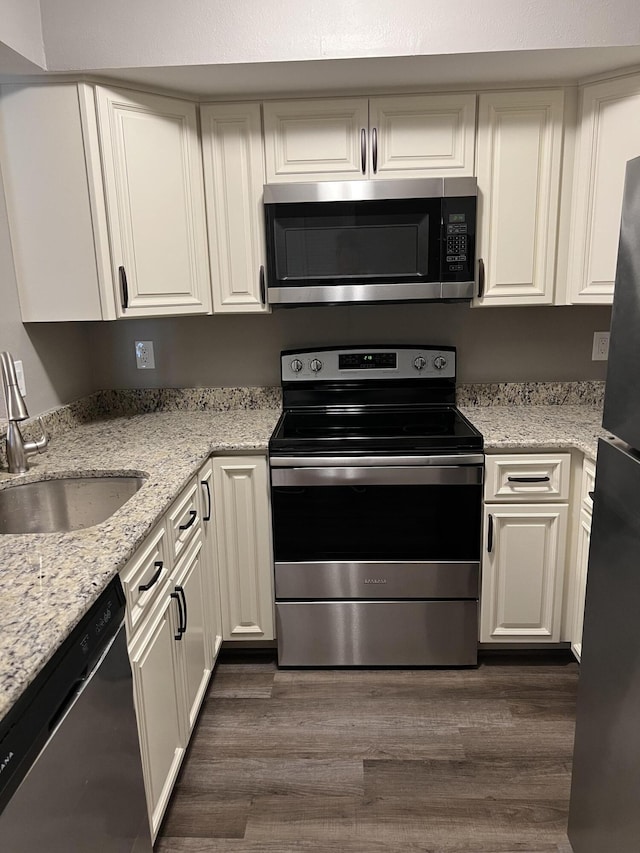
47	582
525	427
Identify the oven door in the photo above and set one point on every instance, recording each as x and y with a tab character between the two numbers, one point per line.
381	530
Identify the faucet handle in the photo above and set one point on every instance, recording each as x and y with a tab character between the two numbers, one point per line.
40	443
43	441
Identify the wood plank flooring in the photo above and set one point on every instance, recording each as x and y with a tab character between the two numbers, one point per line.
379	761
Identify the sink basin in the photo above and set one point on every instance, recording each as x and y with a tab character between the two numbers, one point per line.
71	503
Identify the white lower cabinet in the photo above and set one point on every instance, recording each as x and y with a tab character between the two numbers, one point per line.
158	700
210	558
522	572
169	602
583	542
582	562
193	647
524	548
244	547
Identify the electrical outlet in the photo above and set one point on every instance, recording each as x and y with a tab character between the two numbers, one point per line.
600	350
145	359
22	385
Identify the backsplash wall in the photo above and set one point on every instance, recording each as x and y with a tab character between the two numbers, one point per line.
494	344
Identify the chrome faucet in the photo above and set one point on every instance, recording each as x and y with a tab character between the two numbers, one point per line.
18	450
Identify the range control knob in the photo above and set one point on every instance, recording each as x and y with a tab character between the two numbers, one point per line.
439	362
316	365
419	362
296	365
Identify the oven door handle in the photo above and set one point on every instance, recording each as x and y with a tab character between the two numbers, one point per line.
462	475
438	461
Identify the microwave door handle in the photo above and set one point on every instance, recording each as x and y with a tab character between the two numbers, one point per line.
363	150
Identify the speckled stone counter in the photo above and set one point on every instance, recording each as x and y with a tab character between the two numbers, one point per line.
531	427
47	582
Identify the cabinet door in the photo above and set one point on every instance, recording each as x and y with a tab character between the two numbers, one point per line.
234	177
210	561
244	547
522	573
609	136
158	706
155	203
519	159
316	140
582	562
55	202
419	136
193	649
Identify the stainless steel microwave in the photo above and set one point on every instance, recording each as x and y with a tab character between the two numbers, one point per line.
371	241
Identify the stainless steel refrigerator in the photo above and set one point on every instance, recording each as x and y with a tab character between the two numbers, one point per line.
604	815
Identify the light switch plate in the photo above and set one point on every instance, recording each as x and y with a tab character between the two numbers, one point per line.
600	350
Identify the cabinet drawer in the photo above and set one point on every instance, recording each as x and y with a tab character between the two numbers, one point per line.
539	477
183	520
144	577
588	485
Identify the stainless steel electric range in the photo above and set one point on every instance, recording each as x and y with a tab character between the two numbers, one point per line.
376	489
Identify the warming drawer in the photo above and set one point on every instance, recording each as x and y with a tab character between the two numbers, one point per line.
377	633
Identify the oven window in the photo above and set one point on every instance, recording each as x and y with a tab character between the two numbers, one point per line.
413	522
367	241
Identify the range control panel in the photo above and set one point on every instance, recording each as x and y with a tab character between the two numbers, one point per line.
348	363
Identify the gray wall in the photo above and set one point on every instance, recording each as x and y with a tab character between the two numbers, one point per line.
55	355
494	344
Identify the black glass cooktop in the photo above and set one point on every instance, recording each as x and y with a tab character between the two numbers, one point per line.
395	429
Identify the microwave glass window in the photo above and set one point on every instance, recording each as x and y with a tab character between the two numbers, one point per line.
341	242
350	252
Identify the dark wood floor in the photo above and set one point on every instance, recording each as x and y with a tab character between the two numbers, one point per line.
379	761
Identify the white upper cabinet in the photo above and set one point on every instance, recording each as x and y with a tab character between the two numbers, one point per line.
609	135
234	178
413	136
55	202
106	203
155	203
418	136
518	170
316	140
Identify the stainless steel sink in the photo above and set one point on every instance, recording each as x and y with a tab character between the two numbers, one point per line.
71	503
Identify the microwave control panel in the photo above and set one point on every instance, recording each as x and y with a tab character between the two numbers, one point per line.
459	227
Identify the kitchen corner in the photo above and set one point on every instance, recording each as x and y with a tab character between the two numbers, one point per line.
50	580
